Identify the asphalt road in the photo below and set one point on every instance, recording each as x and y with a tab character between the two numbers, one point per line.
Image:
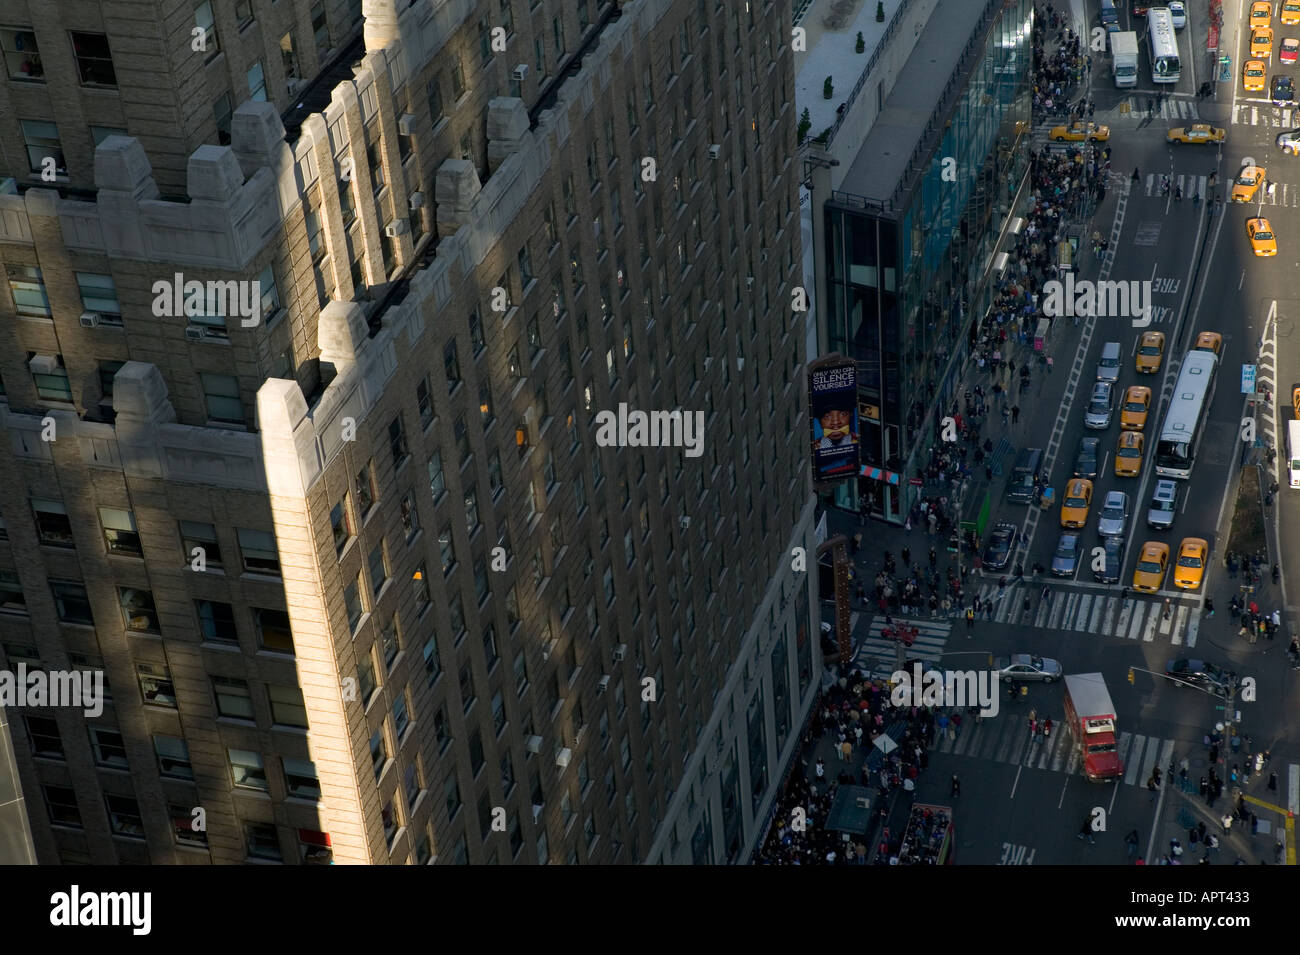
1025	807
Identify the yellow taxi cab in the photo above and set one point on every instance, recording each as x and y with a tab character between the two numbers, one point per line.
1247	183
1075	504
1190	566
1151	352
1262	240
1252	76
1261	13
1133	413
1150	569
1290	12
1200	133
1209	341
1078	132
1128	454
1261	42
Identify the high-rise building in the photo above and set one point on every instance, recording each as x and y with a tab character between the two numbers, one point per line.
931	142
310	313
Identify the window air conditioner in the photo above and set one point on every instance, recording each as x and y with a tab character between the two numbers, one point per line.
89	319
416	200
397	227
194	333
406	124
533	744
520	72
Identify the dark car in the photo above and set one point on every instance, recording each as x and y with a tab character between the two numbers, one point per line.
1065	560
1114	560
1085	459
1281	90
997	552
1201	673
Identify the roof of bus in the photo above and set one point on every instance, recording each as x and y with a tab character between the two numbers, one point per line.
1193	384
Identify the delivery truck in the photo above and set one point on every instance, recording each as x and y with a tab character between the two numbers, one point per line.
1124	58
1091	717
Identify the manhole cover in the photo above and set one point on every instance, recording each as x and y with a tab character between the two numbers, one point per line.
1148	233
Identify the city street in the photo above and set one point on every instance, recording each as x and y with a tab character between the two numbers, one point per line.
1023	802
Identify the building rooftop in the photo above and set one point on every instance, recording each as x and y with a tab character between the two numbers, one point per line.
914	111
316	96
832	27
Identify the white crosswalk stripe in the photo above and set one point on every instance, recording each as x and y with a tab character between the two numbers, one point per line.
1190	185
876	650
1263	114
1171	109
1089	612
1005	739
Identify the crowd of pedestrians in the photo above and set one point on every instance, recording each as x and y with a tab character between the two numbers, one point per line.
852	715
1058	75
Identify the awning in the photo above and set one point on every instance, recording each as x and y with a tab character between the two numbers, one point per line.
878	474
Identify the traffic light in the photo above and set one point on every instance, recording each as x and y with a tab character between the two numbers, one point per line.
1131	677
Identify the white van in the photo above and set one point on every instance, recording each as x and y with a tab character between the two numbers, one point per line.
1293	452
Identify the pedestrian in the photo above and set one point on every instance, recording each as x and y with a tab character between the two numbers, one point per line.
970	618
934	557
1272	781
1205	787
1168	608
1085	831
821	770
1155	773
1033	727
1131	841
956	787
1151	787
1047	729
1226	819
1015	414
1123	594
907	557
1209	607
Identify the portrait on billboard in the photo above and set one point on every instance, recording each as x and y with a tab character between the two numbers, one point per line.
833	403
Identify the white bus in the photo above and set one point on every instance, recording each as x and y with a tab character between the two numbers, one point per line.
1293	452
1185	420
1165	67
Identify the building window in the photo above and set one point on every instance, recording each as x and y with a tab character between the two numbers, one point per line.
420	588
256	83
366	681
365	491
12	597
273	631
43	736
287	706
467	693
471	509
461	433
391	642
53	385
262	841
71	603
233	698
379	754
217	621
156	687
52	525
409	515
108	748
99	295
173	757
138	613
27	286
378	565
120	535
42	142
124	817
196	535
401	715
451	365
222	111
490	647
352	600
61	804
300	778
397	441
221	397
21	55
94	60
259	552
424	402
341	524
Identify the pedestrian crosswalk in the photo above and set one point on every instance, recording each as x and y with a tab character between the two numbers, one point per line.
1190	185
1005	738
1170	109
877	655
1250	114
1134	618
